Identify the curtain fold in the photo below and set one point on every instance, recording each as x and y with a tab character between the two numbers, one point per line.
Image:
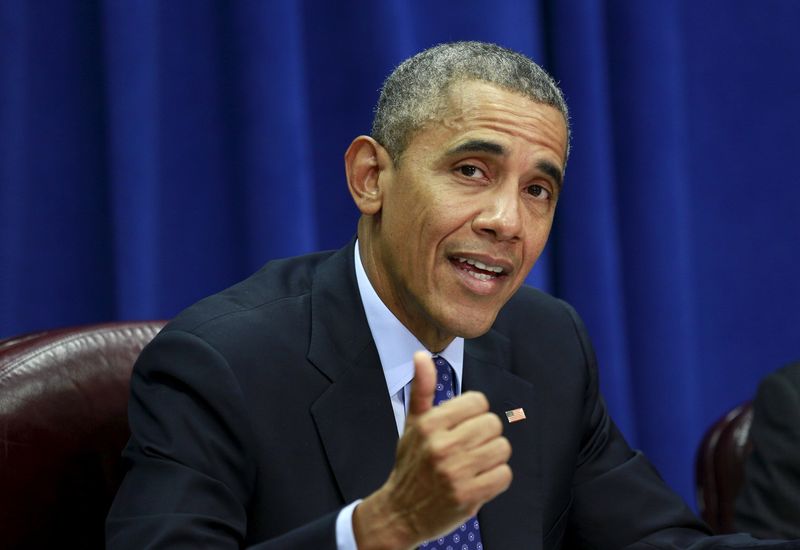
132	114
651	164
588	239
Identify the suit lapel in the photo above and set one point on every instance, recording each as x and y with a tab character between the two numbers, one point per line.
354	415
513	519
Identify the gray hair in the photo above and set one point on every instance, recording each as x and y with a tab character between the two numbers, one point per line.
414	94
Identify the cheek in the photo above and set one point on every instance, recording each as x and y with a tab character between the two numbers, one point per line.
456	214
536	238
439	219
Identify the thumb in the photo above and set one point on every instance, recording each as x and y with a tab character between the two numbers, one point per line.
423	385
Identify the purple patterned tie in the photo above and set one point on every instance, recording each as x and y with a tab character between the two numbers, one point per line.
468	535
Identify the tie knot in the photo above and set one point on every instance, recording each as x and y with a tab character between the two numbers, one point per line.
444	380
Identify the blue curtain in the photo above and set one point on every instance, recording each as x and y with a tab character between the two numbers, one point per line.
155	152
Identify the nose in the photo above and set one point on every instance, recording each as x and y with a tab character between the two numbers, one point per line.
501	216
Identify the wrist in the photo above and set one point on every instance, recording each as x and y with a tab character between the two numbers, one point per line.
378	525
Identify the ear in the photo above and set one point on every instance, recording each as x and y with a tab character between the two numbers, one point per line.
367	165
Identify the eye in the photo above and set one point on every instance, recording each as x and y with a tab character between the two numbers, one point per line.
538	192
470	171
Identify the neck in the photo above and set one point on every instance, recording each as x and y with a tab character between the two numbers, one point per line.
425	331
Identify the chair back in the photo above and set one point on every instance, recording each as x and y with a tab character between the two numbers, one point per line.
63	424
719	467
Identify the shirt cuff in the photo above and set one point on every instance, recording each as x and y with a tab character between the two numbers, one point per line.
345	537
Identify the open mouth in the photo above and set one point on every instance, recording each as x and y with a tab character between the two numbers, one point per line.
478	269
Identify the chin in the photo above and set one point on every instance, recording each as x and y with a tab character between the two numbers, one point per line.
472	328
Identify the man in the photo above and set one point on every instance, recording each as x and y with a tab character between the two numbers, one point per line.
769	503
286	411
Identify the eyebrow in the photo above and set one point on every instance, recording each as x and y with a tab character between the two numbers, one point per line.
478	146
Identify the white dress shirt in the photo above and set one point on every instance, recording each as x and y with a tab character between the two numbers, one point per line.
396	346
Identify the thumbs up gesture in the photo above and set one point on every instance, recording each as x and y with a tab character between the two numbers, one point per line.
450	460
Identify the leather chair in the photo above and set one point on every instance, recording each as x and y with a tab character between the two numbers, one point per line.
63	424
719	467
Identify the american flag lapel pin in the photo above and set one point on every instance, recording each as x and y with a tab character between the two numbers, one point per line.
515	415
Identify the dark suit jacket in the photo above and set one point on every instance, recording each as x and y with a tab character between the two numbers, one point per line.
259	412
769	503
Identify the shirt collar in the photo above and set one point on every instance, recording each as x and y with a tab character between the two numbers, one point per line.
395	343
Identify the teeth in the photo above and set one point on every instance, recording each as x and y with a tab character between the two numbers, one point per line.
481	265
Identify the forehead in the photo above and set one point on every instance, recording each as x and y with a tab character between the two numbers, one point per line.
478	110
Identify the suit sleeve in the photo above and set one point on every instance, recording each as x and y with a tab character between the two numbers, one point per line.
619	499
769	504
190	459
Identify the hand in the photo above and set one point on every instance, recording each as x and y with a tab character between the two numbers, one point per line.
450	460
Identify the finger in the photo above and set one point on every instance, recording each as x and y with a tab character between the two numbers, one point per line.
423	385
453	412
487	485
472	462
475	431
472	493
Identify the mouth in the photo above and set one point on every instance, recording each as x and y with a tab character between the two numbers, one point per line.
479	270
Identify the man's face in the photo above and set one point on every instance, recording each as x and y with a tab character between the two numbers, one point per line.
467	212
